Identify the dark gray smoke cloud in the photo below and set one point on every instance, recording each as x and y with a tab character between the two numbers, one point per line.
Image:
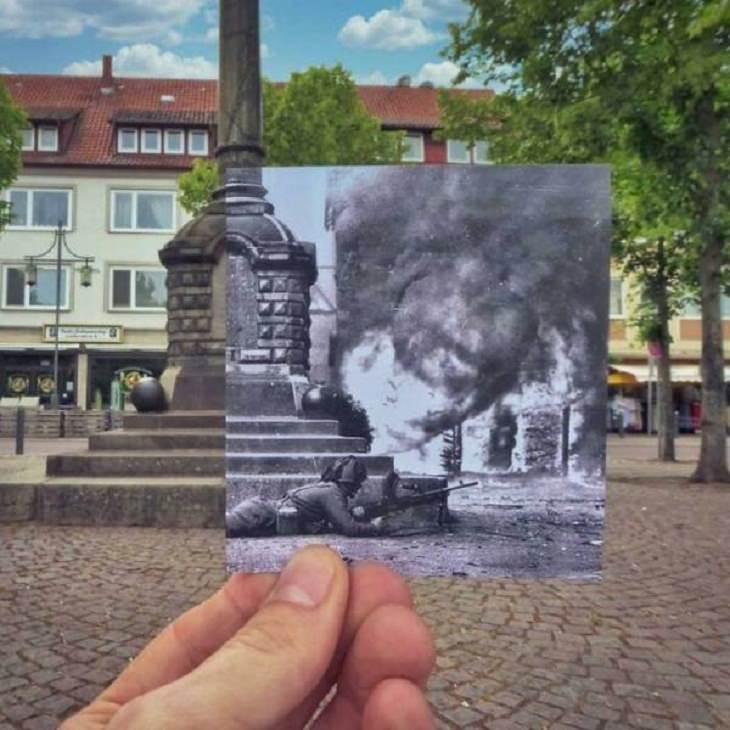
472	271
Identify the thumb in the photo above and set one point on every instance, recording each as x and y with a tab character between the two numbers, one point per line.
264	672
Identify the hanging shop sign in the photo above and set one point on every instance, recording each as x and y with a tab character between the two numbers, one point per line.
83	333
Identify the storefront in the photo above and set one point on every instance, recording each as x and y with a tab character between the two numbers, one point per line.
90	359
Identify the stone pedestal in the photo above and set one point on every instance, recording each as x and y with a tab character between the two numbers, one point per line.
269	276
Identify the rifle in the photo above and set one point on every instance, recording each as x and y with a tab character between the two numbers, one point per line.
399	504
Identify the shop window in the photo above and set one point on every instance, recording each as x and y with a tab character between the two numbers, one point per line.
174	142
151	141
39	208
142	210
413	150
198	142
139	288
17	295
616	304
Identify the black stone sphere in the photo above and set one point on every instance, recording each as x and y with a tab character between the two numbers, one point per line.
148	396
321	401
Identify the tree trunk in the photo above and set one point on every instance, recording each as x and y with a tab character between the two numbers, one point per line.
665	402
712	466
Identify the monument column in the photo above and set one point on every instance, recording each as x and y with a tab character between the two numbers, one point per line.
196	258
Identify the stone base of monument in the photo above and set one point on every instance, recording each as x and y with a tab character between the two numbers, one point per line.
167	470
159	470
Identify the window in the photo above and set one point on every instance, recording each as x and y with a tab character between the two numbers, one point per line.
151	140
138	288
480	153
198	142
39	208
413	148
41	296
459	152
616	303
694	309
28	138
127	140
174	142
143	210
48	139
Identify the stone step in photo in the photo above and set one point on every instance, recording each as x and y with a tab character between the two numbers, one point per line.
191	463
158	440
299	463
246	443
175	420
240	424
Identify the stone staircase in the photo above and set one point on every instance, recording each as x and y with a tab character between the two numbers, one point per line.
168	470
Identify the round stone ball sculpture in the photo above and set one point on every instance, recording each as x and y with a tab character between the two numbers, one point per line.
148	396
321	401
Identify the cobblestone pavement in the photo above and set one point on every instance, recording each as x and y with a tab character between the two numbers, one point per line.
648	647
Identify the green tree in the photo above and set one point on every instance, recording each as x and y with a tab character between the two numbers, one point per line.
605	80
12	121
317	118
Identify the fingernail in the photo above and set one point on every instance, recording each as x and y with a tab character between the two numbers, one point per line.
305	580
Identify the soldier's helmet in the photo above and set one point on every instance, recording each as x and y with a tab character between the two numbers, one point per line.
352	472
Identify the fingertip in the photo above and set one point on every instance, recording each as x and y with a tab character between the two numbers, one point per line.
397	704
246	591
376	580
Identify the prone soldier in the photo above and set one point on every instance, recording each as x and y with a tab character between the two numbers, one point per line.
310	509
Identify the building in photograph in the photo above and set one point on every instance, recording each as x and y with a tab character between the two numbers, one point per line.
102	156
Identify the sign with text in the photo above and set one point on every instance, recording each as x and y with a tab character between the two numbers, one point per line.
83	333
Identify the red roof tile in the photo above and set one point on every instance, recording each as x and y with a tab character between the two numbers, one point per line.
138	100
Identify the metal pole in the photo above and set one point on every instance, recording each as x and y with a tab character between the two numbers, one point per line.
649	414
54	396
20	431
239	98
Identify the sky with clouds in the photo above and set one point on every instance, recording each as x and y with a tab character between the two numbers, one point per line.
376	40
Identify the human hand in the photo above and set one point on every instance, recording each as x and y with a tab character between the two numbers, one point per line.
358	513
264	652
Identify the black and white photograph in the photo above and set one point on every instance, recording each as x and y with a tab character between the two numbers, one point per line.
416	367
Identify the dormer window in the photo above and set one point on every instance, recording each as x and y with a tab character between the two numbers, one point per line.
40	137
151	141
28	134
128	140
174	142
48	138
198	142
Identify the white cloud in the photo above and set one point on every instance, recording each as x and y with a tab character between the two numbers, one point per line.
387	30
147	59
116	19
375	78
5	70
211	35
442	74
444	9
265	52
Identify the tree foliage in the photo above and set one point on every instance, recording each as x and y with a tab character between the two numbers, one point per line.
638	85
317	118
12	121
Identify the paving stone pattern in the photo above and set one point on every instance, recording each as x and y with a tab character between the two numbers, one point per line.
648	647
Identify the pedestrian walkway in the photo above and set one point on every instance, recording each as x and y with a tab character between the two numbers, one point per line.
648	647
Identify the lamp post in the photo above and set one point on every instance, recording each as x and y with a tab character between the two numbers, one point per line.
31	278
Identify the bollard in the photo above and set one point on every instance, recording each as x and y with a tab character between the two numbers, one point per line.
19	431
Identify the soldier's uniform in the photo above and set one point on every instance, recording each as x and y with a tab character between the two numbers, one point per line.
319	507
322	507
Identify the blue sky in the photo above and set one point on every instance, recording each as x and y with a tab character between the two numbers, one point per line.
377	40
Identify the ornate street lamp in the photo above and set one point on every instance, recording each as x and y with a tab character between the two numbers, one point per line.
31	279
